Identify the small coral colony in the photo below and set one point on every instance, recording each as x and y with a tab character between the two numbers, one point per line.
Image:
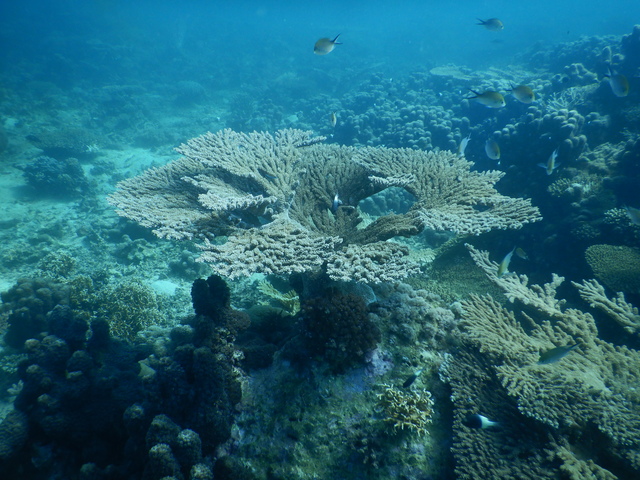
377	287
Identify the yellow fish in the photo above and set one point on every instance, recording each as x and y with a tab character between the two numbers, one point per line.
551	164
523	94
503	268
492	24
325	45
619	84
489	99
492	149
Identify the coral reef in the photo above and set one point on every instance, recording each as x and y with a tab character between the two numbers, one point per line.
52	176
66	143
616	309
630	46
26	306
617	266
571	400
128	308
409	410
288	204
338	328
109	409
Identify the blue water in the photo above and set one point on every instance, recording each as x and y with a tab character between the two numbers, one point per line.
93	92
259	39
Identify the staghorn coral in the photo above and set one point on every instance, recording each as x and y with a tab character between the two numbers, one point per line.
591	393
516	450
289	301
619	310
617	266
274	199
410	410
516	287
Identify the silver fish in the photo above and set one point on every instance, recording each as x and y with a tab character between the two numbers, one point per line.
555	354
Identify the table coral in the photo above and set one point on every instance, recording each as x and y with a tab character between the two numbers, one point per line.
287	203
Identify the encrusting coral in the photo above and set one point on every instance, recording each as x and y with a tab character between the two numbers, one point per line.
588	393
287	203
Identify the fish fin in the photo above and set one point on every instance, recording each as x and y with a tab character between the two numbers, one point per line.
336	38
542	165
474	92
482	22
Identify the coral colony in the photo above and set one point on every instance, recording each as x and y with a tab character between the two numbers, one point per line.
380	283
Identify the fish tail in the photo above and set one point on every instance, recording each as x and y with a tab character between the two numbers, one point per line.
482	22
336	38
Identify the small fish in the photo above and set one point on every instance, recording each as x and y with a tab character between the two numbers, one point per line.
333	119
489	99
479	421
634	214
266	175
412	378
523	94
522	254
492	149
551	164
555	354
492	24
336	203
463	145
619	84
325	45
503	268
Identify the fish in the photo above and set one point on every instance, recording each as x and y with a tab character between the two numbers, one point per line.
555	354
266	174
619	84
492	149
326	45
493	24
551	164
523	94
463	145
333	119
478	421
503	268
633	214
522	254
489	99
412	378
336	203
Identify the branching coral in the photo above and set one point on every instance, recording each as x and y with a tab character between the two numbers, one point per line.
290	301
517	286
411	410
622	312
589	393
287	203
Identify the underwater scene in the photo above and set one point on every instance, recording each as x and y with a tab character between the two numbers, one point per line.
319	240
